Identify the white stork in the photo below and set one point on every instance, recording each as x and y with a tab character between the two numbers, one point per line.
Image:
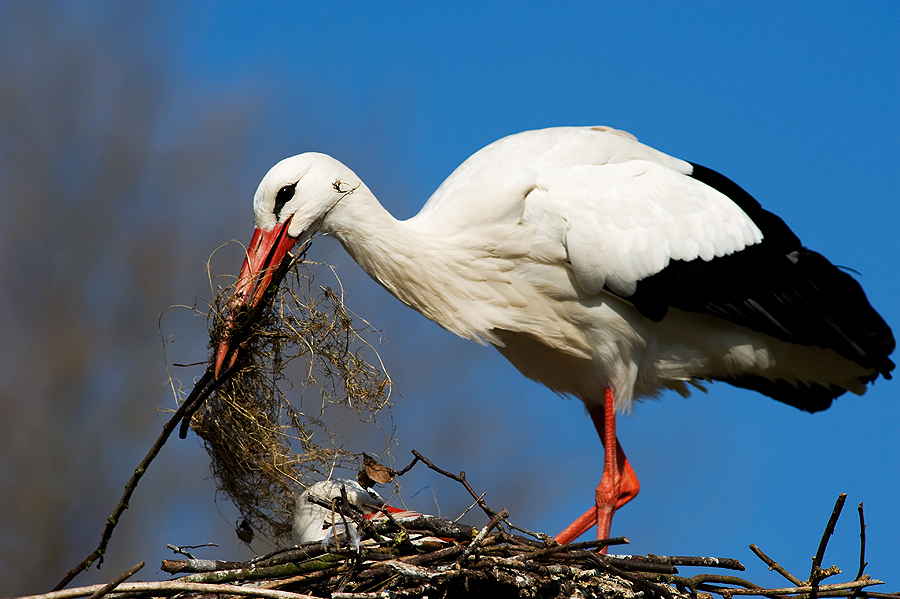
598	266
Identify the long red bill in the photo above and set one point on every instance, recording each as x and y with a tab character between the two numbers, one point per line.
265	253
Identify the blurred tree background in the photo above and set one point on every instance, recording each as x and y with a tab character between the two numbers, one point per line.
111	200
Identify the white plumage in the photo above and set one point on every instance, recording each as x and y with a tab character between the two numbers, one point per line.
595	264
313	522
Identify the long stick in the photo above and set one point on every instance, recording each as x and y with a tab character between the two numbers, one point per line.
113	520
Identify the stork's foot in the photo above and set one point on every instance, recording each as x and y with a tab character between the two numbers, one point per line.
608	497
618	486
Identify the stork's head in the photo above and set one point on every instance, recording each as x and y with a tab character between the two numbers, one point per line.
290	205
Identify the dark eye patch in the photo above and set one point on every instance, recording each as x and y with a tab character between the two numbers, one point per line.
284	196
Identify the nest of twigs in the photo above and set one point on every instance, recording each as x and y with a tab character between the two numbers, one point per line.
457	560
499	565
264	446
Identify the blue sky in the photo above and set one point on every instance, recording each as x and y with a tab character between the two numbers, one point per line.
798	102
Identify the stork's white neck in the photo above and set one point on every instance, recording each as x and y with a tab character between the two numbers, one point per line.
400	255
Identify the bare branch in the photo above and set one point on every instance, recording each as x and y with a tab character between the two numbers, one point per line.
172	585
460	478
816	573
107	588
856	584
678	560
773	565
862	542
479	538
132	484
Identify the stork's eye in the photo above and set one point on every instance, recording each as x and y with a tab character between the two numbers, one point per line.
284	196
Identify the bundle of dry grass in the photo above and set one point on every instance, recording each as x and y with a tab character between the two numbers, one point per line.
263	445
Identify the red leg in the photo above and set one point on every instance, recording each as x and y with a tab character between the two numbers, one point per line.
619	484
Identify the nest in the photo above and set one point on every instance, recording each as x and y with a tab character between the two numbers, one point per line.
500	565
264	446
427	556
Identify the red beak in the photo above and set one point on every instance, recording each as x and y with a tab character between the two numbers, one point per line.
266	252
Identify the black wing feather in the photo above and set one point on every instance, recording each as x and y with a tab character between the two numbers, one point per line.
779	288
